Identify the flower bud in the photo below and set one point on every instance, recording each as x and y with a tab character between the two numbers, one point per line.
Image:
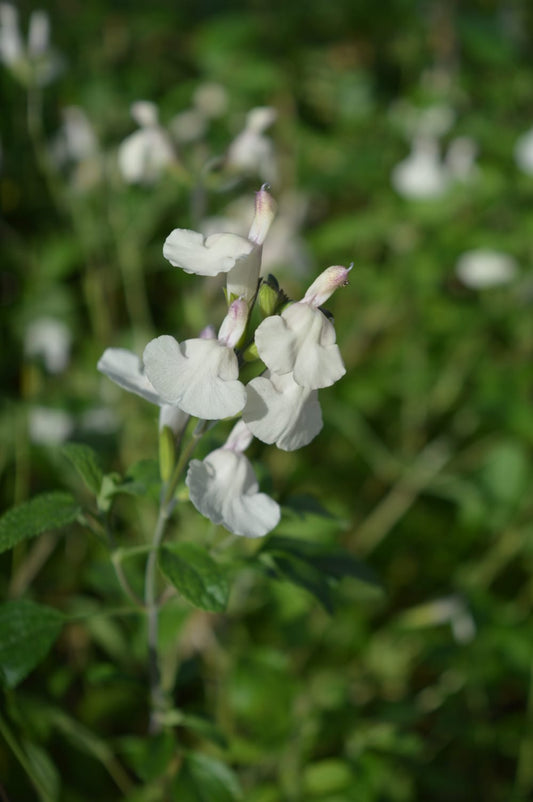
265	211
268	296
234	323
325	285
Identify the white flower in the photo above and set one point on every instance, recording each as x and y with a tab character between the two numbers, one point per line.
422	174
224	488
35	62
252	151
144	155
209	256
125	369
523	152
282	412
302	340
50	339
243	278
200	375
484	268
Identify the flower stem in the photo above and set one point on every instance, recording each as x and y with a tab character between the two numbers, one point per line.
151	602
157	697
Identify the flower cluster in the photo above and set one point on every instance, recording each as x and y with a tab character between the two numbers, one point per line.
202	377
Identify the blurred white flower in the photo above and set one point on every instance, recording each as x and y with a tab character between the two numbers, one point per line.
224	488
252	152
144	155
282	412
200	375
450	610
99	420
188	126
422	174
211	99
523	152
75	148
460	158
49	426
302	340
484	268
432	121
50	339
76	139
32	63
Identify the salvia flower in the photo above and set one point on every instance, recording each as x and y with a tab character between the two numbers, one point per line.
201	376
125	368
223	487
282	412
301	340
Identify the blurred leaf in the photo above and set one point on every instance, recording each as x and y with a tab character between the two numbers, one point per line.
85	460
305	575
196	576
47	511
505	473
27	631
43	770
204	779
202	726
149	757
328	776
332	561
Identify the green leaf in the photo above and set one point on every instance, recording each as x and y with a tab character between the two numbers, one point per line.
204	778
196	576
306	576
41	513
85	460
334	561
27	631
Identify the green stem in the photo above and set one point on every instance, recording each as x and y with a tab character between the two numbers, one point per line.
157	697
151	602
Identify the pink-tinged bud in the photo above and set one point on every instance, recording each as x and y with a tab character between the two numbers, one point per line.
265	211
234	323
326	284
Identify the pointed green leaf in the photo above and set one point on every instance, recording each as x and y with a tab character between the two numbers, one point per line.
27	631
196	576
41	513
85	460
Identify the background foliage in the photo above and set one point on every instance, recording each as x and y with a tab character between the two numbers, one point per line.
422	691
